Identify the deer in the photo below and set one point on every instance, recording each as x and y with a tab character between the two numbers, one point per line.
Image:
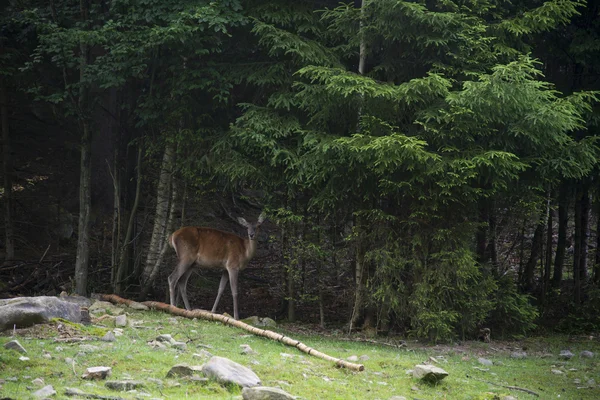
207	248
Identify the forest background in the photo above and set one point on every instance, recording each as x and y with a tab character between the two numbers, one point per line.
428	168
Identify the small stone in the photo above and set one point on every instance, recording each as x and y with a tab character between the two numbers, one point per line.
508	398
557	372
109	337
586	354
23	358
121	320
97	373
265	393
246	349
38	382
179	345
155	344
364	357
173	321
165	337
352	358
75	392
398	398
183	370
69	360
15	345
44	392
138	306
157	382
485	361
202	354
591	382
47	356
88	348
124	385
519	355
566	354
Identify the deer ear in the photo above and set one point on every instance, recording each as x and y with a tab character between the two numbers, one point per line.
242	221
261	218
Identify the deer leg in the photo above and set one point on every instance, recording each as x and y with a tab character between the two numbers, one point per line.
182	267
233	280
222	284
182	286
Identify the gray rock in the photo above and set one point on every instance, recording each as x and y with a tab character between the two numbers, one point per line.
224	370
16	346
352	358
557	372
203	354
121	320
44	392
97	373
364	357
398	398
518	355
485	361
124	385
109	337
138	306
105	307
165	338
38	382
260	322
28	311
429	373
508	398
246	349
566	354
79	300
265	393
88	348
586	354
157	382
183	370
179	345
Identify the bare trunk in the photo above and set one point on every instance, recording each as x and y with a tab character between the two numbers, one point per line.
597	258
582	211
7	171
536	247
123	260
548	259
163	195
563	221
85	177
359	272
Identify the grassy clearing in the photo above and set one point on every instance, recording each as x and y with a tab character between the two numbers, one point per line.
385	375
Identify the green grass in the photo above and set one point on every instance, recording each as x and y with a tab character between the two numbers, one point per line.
298	374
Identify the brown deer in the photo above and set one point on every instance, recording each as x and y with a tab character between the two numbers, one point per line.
208	248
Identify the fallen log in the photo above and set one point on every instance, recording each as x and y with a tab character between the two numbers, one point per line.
113	298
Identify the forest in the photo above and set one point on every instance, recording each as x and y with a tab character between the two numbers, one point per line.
427	168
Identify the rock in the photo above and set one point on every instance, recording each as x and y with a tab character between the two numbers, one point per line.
203	354
81	301
124	385
566	354
557	372
518	355
352	358
16	346
109	337
265	393
97	373
121	320
183	370
260	322
165	338
226	371
586	354
155	344
508	398
398	398
23	358
429	373
364	357
246	349
88	348
485	361
44	392
38	382
138	306
179	345
27	311
75	392
157	382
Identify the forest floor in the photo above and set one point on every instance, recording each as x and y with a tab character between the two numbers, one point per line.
59	353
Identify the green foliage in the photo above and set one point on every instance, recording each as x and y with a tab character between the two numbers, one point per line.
513	313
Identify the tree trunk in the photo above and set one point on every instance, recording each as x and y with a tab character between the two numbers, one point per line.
548	259
582	211
597	258
536	247
163	196
359	291
7	171
85	177
563	221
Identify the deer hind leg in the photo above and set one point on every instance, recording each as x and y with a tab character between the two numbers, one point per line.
182	288
183	266
222	284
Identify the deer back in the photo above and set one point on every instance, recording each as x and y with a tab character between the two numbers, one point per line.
210	248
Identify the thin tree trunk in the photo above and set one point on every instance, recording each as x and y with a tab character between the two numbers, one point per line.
548	259
597	258
536	247
585	232
563	221
163	195
481	236
7	171
123	262
359	291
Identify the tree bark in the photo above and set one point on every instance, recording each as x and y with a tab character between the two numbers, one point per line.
548	257
582	210
597	258
163	196
563	221
536	247
7	171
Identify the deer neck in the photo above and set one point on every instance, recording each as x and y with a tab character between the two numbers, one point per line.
250	248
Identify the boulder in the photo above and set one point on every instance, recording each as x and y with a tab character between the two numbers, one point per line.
27	311
44	392
265	393
226	371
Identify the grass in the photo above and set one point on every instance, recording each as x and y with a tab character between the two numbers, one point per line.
385	375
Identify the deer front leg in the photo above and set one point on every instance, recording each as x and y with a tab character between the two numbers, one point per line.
222	284
233	280
182	285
